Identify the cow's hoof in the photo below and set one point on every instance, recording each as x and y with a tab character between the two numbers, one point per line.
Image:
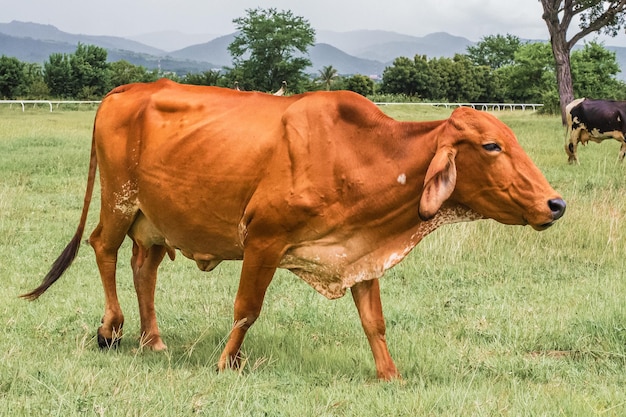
153	343
108	342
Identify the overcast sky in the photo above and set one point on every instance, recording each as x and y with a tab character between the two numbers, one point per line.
472	19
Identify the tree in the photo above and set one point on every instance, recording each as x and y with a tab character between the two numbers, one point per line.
123	72
594	16
57	75
34	86
84	74
327	75
360	84
494	51
11	76
90	77
410	77
212	77
270	48
531	76
594	71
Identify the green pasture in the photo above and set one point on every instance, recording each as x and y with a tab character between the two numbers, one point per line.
483	319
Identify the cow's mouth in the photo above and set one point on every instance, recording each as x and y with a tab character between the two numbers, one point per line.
557	206
544	226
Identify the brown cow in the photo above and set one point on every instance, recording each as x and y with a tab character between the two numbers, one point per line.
323	184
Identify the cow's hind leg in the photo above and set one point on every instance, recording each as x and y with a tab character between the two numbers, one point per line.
106	242
257	272
366	296
145	263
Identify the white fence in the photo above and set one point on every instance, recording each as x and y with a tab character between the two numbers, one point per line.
479	106
50	103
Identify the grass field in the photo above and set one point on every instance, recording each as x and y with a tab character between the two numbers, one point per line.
483	319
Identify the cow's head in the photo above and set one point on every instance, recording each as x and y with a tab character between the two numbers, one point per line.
479	164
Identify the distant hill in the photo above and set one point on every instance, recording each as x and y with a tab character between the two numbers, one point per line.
358	52
365	52
32	42
51	33
386	46
320	54
323	55
215	51
171	40
32	50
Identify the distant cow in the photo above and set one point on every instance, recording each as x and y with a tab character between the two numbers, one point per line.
322	184
595	120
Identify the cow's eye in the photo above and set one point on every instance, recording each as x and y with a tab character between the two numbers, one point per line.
492	147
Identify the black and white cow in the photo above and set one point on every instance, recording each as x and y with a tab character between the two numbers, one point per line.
595	120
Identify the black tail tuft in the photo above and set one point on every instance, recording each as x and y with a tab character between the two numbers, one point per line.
58	268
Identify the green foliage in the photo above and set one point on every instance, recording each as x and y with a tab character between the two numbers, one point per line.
494	51
609	13
81	75
33	84
532	73
123	72
11	75
203	78
271	47
500	69
58	75
90	78
360	84
448	79
593	73
409	77
327	76
21	80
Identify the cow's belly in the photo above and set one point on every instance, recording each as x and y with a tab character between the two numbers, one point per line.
198	216
207	256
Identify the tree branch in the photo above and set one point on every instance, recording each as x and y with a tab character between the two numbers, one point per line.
601	21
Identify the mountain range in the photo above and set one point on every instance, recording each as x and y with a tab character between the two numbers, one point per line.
365	52
358	52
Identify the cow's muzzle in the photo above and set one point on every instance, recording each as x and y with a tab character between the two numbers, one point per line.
557	206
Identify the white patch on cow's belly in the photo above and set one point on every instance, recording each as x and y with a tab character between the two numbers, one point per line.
331	267
598	136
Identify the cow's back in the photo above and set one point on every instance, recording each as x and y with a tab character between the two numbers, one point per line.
188	158
201	162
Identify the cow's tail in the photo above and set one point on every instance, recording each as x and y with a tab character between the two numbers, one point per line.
71	250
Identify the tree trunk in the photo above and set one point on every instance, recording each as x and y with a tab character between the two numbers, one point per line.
560	48
563	68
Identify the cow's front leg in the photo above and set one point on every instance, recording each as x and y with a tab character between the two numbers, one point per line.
366	296
570	149
256	274
622	151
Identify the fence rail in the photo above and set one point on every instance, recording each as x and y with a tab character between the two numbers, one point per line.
479	106
50	103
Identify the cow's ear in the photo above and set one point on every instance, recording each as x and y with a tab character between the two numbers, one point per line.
439	182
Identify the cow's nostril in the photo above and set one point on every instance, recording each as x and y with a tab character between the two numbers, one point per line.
557	205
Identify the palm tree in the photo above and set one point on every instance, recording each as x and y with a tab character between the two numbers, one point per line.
327	74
